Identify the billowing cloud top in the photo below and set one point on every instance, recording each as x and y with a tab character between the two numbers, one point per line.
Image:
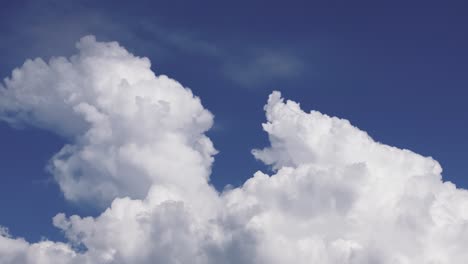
129	129
137	146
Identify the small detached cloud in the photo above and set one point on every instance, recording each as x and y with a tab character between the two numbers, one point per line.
138	147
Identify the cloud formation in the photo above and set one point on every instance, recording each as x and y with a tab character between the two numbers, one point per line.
128	129
137	146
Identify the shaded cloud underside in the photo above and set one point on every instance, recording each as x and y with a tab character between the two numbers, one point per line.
138	147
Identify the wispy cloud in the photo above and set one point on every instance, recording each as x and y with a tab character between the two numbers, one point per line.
263	68
180	40
246	64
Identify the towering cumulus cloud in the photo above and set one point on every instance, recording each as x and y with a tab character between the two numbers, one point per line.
137	147
128	128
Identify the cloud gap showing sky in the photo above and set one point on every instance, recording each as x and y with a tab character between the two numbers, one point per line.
138	150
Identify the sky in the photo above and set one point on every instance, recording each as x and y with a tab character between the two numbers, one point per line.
395	70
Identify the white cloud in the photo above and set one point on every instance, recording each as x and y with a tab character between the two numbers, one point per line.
137	139
128	128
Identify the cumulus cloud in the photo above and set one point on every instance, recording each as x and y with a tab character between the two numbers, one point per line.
128	129
137	146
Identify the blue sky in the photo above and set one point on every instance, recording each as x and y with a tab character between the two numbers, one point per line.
397	71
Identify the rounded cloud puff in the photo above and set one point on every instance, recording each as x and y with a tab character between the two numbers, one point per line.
137	146
128	128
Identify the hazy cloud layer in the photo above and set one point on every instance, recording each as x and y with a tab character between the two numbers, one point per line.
137	146
263	68
45	28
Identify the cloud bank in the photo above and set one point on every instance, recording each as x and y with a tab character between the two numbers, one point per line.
137	147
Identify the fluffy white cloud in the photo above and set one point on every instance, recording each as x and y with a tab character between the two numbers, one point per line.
137	145
128	129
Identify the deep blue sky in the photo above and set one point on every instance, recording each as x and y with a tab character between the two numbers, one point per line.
397	71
